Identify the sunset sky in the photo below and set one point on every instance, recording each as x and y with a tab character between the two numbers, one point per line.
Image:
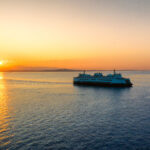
75	34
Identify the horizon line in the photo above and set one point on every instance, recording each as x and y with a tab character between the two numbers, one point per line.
72	70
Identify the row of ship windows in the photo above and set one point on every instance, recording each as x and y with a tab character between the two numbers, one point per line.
99	79
95	79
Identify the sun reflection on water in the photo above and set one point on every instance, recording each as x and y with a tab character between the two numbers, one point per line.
4	115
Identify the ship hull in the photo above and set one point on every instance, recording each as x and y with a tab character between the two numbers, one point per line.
103	84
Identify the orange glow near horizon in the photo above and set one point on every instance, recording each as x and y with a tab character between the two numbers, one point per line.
72	36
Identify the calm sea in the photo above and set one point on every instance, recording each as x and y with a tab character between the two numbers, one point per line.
46	111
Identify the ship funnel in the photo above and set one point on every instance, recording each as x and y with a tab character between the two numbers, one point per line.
114	71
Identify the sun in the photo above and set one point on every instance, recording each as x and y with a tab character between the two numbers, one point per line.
1	62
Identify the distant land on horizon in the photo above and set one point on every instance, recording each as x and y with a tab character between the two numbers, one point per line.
63	70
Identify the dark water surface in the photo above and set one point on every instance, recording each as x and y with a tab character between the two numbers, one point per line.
45	111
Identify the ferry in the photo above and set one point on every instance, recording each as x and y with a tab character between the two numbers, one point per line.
110	80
